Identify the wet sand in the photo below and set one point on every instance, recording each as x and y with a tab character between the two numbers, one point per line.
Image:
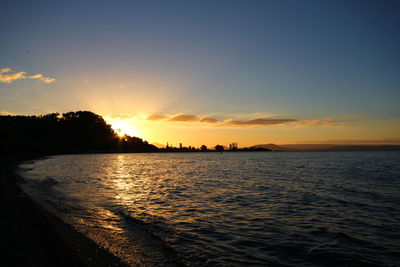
31	236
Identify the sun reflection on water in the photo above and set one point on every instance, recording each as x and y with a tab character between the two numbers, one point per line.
208	203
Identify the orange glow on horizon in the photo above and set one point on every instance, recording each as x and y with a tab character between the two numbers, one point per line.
123	127
195	133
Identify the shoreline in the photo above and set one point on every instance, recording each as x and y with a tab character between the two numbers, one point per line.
32	236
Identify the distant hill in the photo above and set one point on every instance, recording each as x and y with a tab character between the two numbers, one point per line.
328	147
272	147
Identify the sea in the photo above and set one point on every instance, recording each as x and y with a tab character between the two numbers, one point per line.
229	209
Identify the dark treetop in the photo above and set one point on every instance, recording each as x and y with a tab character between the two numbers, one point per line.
72	132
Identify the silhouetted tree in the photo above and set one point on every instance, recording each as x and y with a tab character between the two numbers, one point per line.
233	146
72	132
219	148
203	148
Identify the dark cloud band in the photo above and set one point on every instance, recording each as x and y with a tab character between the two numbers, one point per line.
185	118
260	122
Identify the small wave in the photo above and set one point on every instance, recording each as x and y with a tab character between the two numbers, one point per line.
334	253
351	240
308	209
25	169
150	232
48	181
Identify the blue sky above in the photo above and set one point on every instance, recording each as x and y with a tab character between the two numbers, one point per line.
299	59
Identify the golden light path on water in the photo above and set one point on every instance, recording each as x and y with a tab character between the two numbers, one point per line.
132	187
216	209
118	190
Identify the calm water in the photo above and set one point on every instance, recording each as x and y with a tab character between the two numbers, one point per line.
267	208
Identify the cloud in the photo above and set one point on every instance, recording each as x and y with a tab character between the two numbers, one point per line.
3	70
5	113
40	77
48	80
209	120
181	118
36	76
318	122
185	118
121	116
156	117
259	122
7	77
250	121
340	121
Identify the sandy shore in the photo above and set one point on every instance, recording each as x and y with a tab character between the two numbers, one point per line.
31	236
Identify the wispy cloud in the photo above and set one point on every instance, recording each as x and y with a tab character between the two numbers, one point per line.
10	77
251	121
338	122
259	122
185	118
5	113
209	120
3	70
318	122
156	117
7	75
122	116
256	122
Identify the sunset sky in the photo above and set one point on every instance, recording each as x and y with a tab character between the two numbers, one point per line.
208	72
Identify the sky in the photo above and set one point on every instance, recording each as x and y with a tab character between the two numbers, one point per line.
209	72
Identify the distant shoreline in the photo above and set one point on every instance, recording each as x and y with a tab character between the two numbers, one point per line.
329	147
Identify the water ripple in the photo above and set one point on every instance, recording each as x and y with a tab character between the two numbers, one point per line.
288	209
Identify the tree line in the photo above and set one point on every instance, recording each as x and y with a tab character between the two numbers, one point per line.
72	132
79	132
233	147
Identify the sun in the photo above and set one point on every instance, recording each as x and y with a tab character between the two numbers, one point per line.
126	130
123	127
